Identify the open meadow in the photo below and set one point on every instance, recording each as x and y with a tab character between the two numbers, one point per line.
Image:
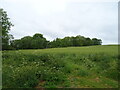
74	67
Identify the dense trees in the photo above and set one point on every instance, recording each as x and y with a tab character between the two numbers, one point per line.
96	41
5	26
39	42
74	41
28	42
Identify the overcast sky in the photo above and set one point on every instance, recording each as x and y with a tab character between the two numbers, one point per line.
60	18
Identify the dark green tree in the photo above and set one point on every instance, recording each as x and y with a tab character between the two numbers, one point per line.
28	42
16	44
38	41
37	35
67	42
88	42
5	26
25	42
96	41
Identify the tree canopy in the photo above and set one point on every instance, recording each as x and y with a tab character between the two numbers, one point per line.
28	42
5	26
40	42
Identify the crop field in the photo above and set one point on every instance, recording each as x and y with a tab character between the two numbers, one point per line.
73	67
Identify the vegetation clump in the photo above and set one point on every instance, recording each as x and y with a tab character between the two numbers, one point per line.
61	67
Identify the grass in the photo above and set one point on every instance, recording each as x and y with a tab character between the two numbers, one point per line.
74	67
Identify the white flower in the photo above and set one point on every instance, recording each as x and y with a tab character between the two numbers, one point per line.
53	67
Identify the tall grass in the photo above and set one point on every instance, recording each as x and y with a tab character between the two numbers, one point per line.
61	67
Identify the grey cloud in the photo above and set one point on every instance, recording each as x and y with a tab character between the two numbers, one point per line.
87	19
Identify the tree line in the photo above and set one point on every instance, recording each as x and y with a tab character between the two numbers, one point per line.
37	41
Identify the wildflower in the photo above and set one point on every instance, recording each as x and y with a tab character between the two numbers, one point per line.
53	67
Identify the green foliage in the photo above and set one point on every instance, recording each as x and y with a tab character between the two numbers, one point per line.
5	25
28	42
74	41
37	35
39	42
61	67
83	73
96	41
